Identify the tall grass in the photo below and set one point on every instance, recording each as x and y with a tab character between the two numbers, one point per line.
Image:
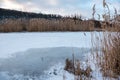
109	58
65	24
38	24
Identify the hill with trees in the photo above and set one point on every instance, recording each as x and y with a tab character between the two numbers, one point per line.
7	13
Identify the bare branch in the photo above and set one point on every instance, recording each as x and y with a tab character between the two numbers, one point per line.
98	16
93	10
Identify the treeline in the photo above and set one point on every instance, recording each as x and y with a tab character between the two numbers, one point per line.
6	13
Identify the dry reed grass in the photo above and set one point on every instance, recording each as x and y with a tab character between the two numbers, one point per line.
38	24
64	24
110	57
75	67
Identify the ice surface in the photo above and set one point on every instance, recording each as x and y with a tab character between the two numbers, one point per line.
36	56
38	60
15	42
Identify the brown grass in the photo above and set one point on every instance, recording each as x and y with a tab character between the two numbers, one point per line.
38	24
64	24
75	68
110	58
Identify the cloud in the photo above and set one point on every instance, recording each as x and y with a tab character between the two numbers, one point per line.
10	4
53	2
19	5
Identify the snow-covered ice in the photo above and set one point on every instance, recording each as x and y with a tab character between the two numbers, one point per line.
15	42
41	53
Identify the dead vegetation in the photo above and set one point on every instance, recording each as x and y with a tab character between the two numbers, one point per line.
109	60
75	68
64	24
38	24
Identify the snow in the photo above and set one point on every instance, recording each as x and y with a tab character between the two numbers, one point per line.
55	71
64	75
38	60
16	42
36	50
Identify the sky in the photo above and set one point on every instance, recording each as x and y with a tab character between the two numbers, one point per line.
61	7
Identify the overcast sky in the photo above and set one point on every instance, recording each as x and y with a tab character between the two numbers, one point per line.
62	7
